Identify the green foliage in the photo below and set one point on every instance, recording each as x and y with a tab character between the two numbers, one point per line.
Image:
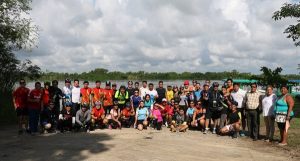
292	11
269	77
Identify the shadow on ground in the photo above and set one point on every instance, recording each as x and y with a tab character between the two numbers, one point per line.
67	146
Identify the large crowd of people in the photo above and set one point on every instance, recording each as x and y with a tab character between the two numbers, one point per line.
207	108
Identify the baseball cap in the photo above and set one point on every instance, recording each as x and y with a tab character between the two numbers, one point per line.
186	82
67	81
164	100
128	104
107	83
68	104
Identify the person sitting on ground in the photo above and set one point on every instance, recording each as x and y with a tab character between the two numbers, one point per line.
199	117
48	119
234	122
167	113
157	117
190	113
179	122
127	116
112	119
66	118
98	115
83	118
141	117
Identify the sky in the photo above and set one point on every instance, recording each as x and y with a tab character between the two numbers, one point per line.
161	36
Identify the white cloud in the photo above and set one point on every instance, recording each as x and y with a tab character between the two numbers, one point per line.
155	35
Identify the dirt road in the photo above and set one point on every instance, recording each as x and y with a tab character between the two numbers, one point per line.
130	144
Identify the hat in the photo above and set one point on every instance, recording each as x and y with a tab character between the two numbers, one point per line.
128	104
107	83
67	81
164	100
186	82
68	104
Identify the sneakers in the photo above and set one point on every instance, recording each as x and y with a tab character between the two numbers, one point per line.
242	134
214	131
235	135
205	131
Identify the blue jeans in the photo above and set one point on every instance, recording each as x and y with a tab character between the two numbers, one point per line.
33	119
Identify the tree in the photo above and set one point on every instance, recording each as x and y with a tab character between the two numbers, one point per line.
292	11
16	33
270	77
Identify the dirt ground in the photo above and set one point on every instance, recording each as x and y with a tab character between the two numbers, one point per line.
130	144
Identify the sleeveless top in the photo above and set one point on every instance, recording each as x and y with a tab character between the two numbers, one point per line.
282	106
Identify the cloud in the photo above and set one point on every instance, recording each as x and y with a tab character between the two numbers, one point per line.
155	35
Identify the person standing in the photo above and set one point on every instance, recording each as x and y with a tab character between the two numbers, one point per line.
268	103
122	97
97	93
34	107
130	88
251	103
20	103
152	92
55	95
86	93
76	96
143	90
108	97
197	92
238	96
284	113
161	91
229	85
67	92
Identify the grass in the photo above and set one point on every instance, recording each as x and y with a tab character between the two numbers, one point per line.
294	131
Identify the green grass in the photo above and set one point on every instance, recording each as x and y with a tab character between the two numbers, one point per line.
294	131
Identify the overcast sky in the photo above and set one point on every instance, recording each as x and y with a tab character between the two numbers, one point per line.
161	35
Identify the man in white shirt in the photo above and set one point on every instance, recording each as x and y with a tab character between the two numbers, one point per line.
76	95
152	92
238	95
144	89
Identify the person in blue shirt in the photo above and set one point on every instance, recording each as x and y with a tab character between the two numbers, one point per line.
141	117
135	99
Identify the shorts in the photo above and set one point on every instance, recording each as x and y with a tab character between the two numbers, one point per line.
22	112
140	122
212	114
281	126
229	127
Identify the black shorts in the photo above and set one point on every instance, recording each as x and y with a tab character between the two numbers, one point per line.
22	112
212	114
281	126
140	122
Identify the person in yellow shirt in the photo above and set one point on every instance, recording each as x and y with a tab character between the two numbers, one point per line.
170	93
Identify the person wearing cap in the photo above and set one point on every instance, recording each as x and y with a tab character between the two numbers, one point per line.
213	112
55	95
161	91
167	112
86	93
83	118
122	97
186	85
67	92
21	105
127	116
141	117
66	119
130	88
143	90
169	93
48	120
97	115
97	93
75	96
108	97
233	126
135	100
113	118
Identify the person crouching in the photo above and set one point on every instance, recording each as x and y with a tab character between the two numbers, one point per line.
83	118
48	121
141	117
112	119
233	127
180	122
127	116
66	118
97	115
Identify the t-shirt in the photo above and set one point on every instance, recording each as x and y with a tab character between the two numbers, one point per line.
204	94
46	97
234	117
148	104
76	94
169	110
180	119
67	115
197	95
97	112
85	95
142	113
98	94
183	99
161	94
135	100
153	94
157	114
108	97
126	112
35	94
239	97
56	94
170	95
21	95
130	91
143	92
190	111
67	91
268	103
112	112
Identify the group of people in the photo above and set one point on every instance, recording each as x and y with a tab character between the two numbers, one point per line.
209	108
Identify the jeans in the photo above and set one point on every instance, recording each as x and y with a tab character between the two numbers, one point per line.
252	123
270	127
33	119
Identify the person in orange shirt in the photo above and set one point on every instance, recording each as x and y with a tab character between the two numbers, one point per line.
97	93
46	94
229	85
21	106
85	93
108	97
98	115
127	116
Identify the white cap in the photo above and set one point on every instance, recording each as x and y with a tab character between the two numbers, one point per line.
164	100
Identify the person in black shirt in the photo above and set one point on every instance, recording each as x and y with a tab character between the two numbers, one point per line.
204	96
161	91
56	94
66	118
48	119
234	122
130	89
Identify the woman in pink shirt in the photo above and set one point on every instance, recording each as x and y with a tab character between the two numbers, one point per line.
157	117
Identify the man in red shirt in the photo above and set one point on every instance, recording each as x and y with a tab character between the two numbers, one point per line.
46	94
35	105
85	93
108	97
97	93
20	103
97	115
167	112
